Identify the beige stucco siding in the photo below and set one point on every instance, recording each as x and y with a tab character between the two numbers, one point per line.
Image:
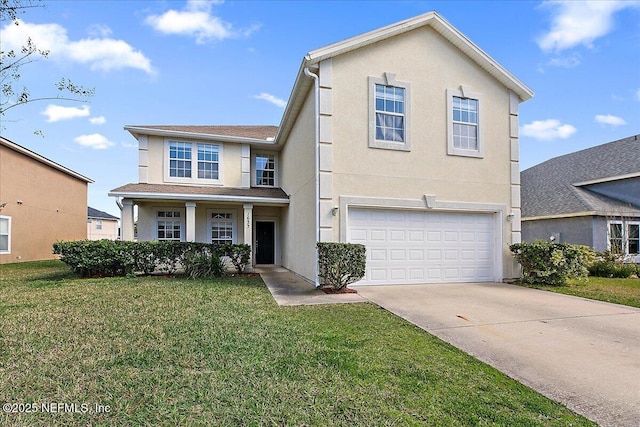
108	231
45	206
297	167
157	160
431	65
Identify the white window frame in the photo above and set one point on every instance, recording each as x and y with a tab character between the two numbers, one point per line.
194	163
389	79
156	221
8	234
464	92
233	221
624	237
254	169
98	224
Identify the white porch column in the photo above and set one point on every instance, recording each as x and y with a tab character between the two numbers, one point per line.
127	220
248	231
190	234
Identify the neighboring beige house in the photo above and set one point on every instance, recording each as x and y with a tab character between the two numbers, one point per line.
41	202
404	139
101	225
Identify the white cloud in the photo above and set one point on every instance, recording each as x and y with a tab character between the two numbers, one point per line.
579	22
99	53
638	94
565	62
548	130
95	140
129	144
272	99
610	120
55	113
196	20
97	120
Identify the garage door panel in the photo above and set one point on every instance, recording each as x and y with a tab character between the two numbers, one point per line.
422	247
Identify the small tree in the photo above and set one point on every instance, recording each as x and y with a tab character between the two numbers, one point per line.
12	61
341	264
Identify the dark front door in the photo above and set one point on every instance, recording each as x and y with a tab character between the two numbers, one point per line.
265	242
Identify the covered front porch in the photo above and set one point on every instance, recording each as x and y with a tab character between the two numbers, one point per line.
205	214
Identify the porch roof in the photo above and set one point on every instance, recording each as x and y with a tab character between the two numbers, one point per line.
200	193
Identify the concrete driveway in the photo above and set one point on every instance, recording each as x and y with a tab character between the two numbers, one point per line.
582	353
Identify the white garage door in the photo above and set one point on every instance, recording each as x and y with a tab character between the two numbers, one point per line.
424	247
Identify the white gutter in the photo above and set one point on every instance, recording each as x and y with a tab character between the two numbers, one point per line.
317	164
195	135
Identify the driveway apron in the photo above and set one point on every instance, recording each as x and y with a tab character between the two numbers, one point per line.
582	353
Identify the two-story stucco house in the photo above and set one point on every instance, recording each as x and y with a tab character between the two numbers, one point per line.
41	202
404	139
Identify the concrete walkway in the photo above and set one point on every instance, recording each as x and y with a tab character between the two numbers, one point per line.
290	289
582	353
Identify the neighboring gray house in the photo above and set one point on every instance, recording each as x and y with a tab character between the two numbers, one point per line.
590	197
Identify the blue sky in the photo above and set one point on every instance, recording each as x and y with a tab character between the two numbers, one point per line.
178	62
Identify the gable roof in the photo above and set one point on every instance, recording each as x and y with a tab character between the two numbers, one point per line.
431	19
35	156
95	213
560	186
276	134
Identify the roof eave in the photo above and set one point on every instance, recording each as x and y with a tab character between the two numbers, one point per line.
203	197
35	156
137	130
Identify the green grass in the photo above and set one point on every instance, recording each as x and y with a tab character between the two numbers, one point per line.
162	351
618	291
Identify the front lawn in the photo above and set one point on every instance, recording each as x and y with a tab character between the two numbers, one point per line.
163	351
618	291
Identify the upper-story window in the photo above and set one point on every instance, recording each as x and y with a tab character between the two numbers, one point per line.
389	113
265	170
465	123
193	162
464	136
389	108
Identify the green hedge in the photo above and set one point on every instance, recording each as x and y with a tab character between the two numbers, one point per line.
341	263
90	258
609	264
552	263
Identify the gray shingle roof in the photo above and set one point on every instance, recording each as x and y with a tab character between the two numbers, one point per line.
140	190
242	131
95	213
549	188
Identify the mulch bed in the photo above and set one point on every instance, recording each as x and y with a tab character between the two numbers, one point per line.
330	290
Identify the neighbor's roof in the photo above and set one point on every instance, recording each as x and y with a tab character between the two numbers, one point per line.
25	151
560	186
95	213
196	193
256	133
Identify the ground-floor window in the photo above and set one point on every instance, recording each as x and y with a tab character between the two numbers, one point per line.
5	234
222	227
624	237
169	225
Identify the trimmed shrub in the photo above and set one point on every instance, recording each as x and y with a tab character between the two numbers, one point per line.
88	258
341	263
239	255
552	263
207	262
612	269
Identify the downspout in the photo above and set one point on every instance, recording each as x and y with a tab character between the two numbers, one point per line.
316	86
119	203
